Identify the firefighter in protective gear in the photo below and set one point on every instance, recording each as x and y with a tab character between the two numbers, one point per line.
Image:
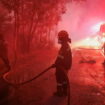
63	62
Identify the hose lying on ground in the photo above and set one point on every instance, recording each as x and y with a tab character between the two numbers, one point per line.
5	77
25	82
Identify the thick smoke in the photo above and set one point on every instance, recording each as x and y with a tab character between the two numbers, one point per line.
83	19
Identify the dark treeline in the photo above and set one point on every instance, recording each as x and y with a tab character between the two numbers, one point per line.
30	24
27	24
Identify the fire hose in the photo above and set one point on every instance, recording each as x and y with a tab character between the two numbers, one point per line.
40	74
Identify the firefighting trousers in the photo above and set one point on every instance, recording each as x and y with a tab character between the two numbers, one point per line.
60	76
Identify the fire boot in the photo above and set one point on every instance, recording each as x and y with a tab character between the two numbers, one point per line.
59	91
65	89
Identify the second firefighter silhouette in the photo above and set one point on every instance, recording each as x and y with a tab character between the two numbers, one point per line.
63	63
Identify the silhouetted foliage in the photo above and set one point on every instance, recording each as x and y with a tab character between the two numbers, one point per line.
34	21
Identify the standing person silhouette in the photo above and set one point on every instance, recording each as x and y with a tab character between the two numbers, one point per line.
63	63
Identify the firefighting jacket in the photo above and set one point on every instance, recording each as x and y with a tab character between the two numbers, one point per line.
64	57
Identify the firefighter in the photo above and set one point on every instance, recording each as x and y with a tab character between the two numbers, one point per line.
4	52
63	63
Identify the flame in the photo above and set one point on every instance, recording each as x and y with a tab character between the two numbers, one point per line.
103	34
103	40
96	27
91	42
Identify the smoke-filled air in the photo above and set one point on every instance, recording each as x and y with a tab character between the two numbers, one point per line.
52	52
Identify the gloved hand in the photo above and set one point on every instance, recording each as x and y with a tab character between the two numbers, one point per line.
53	65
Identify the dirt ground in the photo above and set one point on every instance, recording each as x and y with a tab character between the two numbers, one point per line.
87	82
